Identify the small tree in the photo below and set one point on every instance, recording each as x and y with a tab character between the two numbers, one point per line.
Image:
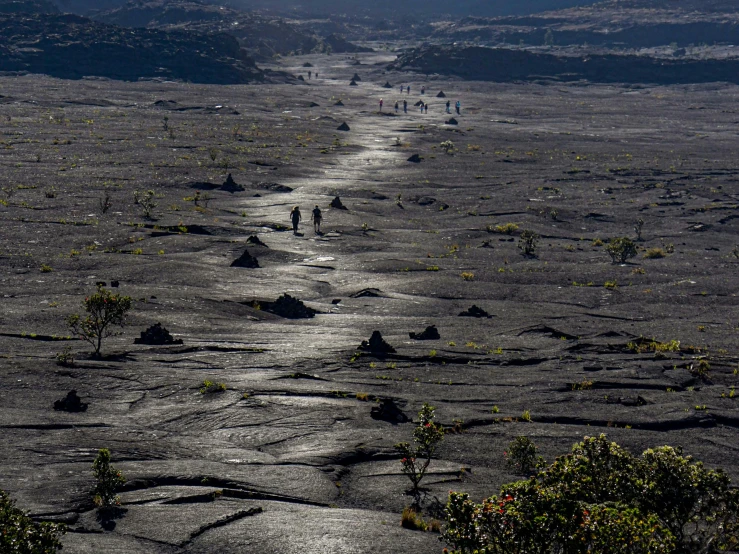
146	201
527	242
638	224
104	310
521	456
417	457
108	478
621	249
19	534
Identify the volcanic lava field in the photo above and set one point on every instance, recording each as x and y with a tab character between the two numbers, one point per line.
288	459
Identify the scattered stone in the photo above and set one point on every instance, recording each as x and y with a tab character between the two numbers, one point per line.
387	85
336	301
71	403
343	127
339	103
275	187
300	78
353	84
415	158
388	410
474	311
307	64
114	284
441	94
288	307
313	105
231	186
452	121
368	293
337	204
430	333
246	260
256	241
426	200
156	335
376	344
356	77
100	284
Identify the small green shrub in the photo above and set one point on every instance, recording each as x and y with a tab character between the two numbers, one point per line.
104	310
621	249
46	268
521	456
654	253
505	229
146	201
109	480
19	534
65	357
209	387
411	519
527	242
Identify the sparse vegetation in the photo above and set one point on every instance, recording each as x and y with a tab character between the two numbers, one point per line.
19	534
527	242
621	249
104	310
210	387
108	481
521	456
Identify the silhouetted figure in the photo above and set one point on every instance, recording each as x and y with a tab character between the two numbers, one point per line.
309	74
405	106
381	102
295	217
448	106
317	216
458	105
409	89
423	90
397	107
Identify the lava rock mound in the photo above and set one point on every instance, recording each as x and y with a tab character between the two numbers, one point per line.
376	345
231	186
246	260
70	403
430	333
474	311
156	335
286	306
388	410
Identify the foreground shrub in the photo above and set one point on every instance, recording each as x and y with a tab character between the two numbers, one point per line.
417	457
104	310
602	499
19	534
521	456
108	478
621	249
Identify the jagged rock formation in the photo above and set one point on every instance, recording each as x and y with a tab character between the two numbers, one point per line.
474	311
388	410
376	345
430	333
343	127
337	204
72	47
156	335
286	306
255	241
245	260
70	403
415	158
231	186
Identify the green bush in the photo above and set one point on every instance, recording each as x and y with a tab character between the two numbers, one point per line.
19	534
104	309
602	499
108	478
417	457
521	456
527	242
621	249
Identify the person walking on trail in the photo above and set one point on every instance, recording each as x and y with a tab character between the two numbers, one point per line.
381	102
397	106
423	90
409	89
458	105
402	88
422	105
295	217
309	74
448	106
426	107
405	106
317	216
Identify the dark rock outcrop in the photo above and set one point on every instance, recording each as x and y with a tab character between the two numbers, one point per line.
387	85
70	403
441	94
388	410
474	311
338	103
286	306
343	127
337	204
231	186
72	47
246	260
255	241
430	333
156	335
376	345
415	158
451	121
356	77
353	83
275	187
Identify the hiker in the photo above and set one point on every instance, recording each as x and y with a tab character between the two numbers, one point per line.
448	106
317	217
397	106
405	106
423	90
295	217
422	105
409	89
309	74
458	105
402	88
426	107
380	104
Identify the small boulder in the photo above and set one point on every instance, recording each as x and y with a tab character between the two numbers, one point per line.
313	105
415	158
307	64
452	121
255	241
156	335
231	186
388	410
426	200
71	403
246	260
474	311
387	85
343	127
430	333
288	307
441	94
300	78
337	204
275	187
353	84
114	284
376	345
356	77
338	103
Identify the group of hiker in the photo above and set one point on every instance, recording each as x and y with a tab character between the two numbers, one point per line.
424	106
316	217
